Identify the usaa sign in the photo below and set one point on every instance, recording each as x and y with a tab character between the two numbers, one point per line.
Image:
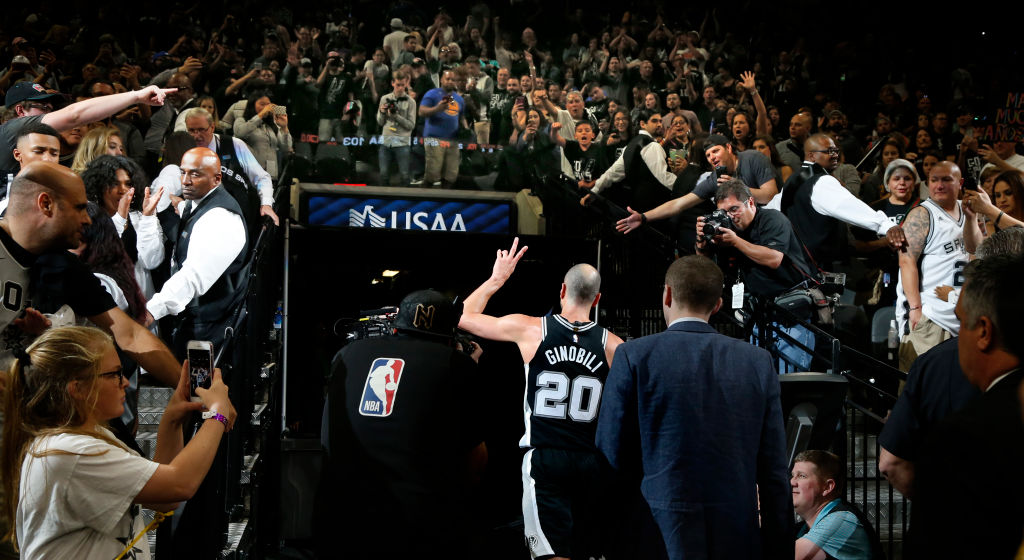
419	215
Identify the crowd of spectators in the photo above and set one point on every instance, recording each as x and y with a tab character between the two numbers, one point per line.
282	81
497	97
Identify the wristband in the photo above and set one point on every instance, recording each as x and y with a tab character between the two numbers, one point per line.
915	308
643	218
216	416
999	217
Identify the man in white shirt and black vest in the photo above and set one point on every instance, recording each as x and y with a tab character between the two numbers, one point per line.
818	206
210	255
643	165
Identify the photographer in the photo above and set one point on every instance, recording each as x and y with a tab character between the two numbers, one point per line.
397	117
402	445
770	258
443	111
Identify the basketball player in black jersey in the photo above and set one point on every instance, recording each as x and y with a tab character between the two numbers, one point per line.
566	358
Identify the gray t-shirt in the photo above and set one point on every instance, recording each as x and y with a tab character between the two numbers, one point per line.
753	168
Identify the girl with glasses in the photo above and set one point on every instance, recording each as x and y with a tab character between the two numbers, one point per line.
70	489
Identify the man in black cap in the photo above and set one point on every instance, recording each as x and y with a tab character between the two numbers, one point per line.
404	436
32	103
751	167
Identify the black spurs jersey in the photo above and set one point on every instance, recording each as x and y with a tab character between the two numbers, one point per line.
564	381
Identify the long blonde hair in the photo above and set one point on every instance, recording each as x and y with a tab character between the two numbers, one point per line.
92	146
38	402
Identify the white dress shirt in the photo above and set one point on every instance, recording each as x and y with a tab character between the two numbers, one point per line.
830	198
217	238
655	158
150	246
256	174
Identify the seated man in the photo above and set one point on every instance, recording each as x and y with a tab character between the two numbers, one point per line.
831	527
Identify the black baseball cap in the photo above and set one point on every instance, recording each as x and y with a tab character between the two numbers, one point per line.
715	140
27	91
428	312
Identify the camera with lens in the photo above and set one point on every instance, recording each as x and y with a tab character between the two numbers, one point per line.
713	222
390	107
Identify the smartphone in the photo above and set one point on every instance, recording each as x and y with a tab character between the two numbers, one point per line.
280	110
257	66
200	365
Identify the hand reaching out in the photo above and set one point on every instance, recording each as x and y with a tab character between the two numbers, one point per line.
631	222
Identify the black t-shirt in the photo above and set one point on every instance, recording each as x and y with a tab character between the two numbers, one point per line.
334	94
936	387
60	278
752	167
587	165
770	228
55	279
413	415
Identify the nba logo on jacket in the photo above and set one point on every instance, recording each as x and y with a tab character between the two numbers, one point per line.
381	387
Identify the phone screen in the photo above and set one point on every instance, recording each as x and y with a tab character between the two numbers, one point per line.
200	364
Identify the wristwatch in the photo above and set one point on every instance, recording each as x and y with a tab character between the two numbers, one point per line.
216	416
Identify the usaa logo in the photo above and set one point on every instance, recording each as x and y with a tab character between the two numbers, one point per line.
405	220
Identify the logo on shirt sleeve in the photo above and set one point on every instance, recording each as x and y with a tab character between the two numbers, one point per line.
381	387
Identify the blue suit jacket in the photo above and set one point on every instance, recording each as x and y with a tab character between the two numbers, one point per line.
699	415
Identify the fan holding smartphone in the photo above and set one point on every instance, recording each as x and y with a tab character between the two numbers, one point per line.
200	365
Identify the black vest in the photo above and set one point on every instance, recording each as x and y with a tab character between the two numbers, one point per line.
648	192
824	236
219	301
234	179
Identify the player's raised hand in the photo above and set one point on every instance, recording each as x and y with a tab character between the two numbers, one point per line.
505	263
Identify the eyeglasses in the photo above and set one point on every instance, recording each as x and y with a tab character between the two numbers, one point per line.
41	106
830	151
117	373
734	210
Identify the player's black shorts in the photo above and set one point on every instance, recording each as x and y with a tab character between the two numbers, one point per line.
564	502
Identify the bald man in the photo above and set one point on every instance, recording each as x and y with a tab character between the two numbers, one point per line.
791	148
210	257
935	256
44	219
818	206
567	357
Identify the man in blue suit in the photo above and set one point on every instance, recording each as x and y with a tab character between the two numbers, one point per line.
698	414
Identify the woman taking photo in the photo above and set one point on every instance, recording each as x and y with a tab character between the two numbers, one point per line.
72	489
1007	201
264	127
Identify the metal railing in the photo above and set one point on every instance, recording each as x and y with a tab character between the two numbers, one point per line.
872	393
